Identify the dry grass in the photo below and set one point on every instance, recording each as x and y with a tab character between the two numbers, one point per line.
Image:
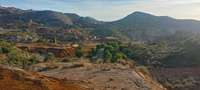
143	70
78	65
84	60
99	61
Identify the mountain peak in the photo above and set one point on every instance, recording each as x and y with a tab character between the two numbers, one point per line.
138	13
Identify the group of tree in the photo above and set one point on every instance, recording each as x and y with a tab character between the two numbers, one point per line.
15	56
113	51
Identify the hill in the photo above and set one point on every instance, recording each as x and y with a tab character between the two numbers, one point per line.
99	76
142	26
18	79
162	22
51	18
137	26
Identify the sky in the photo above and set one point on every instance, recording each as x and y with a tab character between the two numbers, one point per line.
111	10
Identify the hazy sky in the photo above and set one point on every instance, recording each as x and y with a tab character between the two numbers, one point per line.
110	10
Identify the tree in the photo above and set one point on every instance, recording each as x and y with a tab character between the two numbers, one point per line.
108	47
6	49
49	57
124	56
129	44
34	60
121	47
103	45
116	57
93	51
98	46
115	44
107	55
79	51
119	43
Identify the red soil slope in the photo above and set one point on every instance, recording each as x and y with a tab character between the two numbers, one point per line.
17	79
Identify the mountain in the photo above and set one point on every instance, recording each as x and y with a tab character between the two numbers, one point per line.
142	26
148	20
51	18
137	26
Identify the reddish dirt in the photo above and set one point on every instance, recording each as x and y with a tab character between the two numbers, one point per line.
88	46
17	79
59	51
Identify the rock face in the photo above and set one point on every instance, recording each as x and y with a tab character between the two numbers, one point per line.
41	47
12	78
100	76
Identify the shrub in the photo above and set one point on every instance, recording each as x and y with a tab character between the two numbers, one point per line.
121	61
78	65
79	53
108	47
49	57
116	57
98	46
34	60
107	55
6	49
103	45
124	56
66	60
168	85
143	70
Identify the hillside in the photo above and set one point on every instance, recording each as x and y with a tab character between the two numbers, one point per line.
51	18
12	78
143	26
163	22
137	26
99	76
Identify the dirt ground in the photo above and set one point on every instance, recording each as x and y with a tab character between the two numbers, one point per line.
12	78
97	76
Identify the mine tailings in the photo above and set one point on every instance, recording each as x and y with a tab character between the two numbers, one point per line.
58	51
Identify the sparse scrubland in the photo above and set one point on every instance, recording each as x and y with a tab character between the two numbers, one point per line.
148	52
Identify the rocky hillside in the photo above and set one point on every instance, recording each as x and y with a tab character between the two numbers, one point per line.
143	26
137	26
12	78
99	76
50	18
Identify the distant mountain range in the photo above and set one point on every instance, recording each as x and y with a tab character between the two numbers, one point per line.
137	26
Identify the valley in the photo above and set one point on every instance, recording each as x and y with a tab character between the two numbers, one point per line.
138	52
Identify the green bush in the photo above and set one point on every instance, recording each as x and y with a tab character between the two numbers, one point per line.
49	57
116	57
107	55
103	45
108	47
34	60
5	49
66	60
98	46
79	53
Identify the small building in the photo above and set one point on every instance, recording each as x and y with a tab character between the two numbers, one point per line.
75	45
